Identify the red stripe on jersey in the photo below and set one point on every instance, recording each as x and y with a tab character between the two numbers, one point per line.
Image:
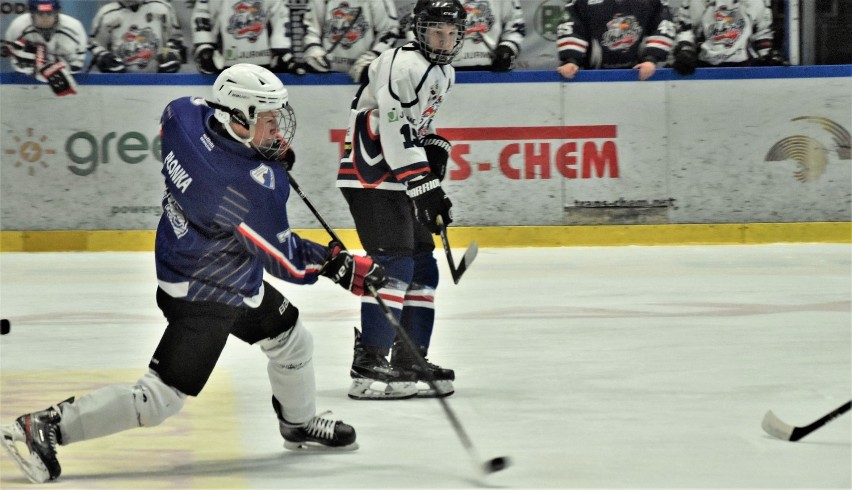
262	244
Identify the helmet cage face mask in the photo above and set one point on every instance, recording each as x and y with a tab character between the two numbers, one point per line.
280	127
243	94
435	14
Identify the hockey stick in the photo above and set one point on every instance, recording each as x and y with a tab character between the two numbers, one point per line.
490	466
467	258
775	427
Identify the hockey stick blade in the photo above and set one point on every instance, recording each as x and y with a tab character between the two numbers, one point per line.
777	428
467	258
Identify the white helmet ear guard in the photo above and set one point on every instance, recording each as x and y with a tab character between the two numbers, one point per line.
241	93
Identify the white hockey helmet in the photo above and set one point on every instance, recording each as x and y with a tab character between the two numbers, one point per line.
243	92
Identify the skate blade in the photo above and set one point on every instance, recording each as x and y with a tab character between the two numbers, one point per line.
316	447
444	389
368	389
32	467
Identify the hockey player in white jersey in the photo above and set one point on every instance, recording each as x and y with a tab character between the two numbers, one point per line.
347	35
390	175
228	32
724	33
224	223
48	45
137	36
494	37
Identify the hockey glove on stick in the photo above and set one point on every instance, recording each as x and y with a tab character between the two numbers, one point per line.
437	153
352	272
504	58
59	78
685	58
430	201
361	67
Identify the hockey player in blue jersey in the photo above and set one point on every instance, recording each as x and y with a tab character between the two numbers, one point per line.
224	222
390	175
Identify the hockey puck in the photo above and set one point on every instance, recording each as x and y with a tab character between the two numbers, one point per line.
496	464
5	326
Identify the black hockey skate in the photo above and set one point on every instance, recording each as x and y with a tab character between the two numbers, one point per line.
40	432
373	378
442	378
320	433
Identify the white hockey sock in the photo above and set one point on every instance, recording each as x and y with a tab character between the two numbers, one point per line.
118	407
291	373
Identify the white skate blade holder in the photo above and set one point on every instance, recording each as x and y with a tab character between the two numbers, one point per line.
30	465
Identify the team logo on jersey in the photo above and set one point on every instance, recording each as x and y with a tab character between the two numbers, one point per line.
727	27
175	214
138	46
263	175
248	20
346	26
622	32
480	19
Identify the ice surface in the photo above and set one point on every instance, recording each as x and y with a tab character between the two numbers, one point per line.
628	367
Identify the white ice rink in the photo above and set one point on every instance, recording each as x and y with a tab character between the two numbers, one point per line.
612	367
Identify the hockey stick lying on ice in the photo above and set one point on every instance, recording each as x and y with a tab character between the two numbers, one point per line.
775	427
489	466
467	258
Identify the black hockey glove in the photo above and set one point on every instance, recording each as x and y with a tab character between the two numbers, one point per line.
205	59
437	153
504	58
177	46
282	61
168	61
772	58
110	63
288	159
59	78
685	58
355	273
430	201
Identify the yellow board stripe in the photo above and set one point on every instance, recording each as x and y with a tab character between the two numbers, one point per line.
485	236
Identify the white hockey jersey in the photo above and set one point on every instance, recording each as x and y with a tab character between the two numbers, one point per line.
390	116
490	23
67	43
348	28
726	31
135	36
243	31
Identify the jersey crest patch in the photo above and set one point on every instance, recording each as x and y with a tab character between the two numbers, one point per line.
263	175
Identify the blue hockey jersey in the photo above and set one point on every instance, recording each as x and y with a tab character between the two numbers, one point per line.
224	215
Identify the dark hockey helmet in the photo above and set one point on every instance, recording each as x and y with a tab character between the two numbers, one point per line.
45	15
438	44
